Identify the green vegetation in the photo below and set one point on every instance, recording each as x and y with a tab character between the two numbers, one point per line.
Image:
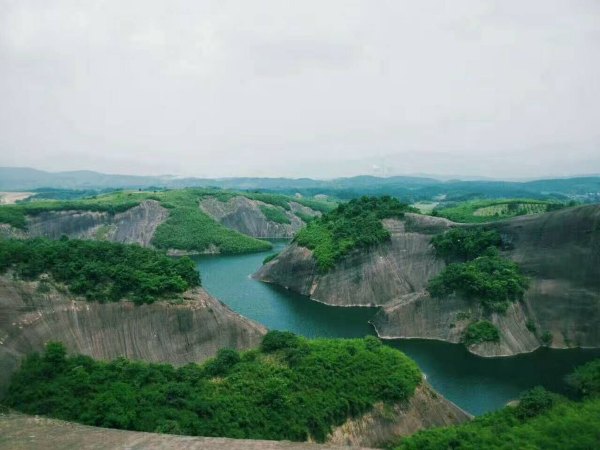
102	271
479	211
291	388
586	379
492	280
540	421
481	331
465	243
113	203
187	228
546	338
275	214
356	224
270	258
306	218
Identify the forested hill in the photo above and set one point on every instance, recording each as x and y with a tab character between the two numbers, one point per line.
406	187
185	221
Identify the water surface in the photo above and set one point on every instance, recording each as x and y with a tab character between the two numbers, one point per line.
475	384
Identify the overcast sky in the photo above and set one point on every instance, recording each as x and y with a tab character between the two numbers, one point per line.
301	88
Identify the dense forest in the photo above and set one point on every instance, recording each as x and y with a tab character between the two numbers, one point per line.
356	224
290	388
102	271
540	421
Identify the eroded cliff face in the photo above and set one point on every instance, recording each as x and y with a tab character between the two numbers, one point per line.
384	424
373	277
244	215
191	330
136	225
558	251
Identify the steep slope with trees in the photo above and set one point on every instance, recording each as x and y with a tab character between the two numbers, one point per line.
550	264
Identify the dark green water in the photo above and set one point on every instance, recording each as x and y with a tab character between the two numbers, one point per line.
475	384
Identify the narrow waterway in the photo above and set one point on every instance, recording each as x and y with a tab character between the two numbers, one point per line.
475	384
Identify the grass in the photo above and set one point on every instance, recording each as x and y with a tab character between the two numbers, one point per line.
480	211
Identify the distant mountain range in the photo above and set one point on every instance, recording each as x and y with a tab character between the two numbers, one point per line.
410	188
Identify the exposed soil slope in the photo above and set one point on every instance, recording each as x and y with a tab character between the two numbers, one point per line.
425	409
558	251
245	215
189	331
20	432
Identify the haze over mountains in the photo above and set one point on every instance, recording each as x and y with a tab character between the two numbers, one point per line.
411	187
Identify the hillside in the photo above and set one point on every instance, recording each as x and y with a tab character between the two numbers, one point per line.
191	329
180	221
557	251
289	388
408	188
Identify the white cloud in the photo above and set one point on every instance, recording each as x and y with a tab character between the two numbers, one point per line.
227	88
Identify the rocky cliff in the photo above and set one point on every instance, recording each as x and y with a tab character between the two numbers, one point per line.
384	424
189	330
372	277
245	215
558	251
136	225
21	432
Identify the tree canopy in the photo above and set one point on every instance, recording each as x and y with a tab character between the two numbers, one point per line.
102	271
291	388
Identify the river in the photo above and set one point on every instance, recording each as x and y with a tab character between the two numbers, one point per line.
475	384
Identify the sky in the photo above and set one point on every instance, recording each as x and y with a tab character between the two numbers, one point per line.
322	89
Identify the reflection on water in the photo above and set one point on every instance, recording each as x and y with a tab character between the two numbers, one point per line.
476	384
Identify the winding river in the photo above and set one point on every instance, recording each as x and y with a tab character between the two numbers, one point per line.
475	384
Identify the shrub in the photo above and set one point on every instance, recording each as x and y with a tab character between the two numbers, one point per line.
563	426
465	243
270	258
535	402
492	280
278	340
258	396
546	338
99	270
586	379
481	331
356	224
225	360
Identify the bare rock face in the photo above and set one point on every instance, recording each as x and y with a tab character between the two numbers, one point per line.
372	277
136	225
244	215
420	316
558	251
21	432
192	330
383	424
